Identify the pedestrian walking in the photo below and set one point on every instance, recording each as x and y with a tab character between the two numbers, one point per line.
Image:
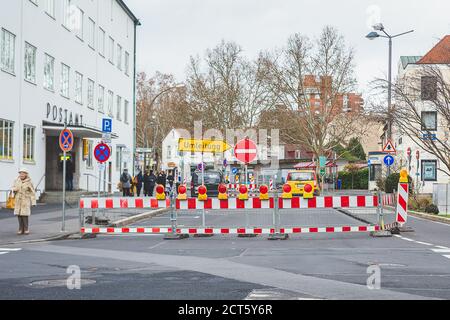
69	175
139	179
125	179
171	179
25	198
149	183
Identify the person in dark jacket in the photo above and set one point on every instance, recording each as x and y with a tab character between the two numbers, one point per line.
69	175
171	179
162	178
139	182
149	183
126	181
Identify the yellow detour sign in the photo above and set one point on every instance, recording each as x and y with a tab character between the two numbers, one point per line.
208	146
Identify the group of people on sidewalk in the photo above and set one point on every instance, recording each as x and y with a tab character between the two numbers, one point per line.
133	186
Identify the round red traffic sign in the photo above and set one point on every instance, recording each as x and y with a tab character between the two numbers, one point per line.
66	140
245	151
408	152
102	152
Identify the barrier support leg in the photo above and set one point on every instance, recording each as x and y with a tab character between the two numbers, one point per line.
173	221
382	232
203	226
247	225
276	221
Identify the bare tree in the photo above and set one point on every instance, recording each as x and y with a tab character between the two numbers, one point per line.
225	89
425	89
318	129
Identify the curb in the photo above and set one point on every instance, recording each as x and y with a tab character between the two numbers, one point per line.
139	217
53	238
427	216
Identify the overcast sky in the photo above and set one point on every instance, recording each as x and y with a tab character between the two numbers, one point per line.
173	30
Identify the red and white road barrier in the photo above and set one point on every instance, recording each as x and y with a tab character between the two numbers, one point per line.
294	203
235	186
192	231
122	203
271	184
402	204
388	199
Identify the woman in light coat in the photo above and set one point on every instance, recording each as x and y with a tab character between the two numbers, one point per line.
25	197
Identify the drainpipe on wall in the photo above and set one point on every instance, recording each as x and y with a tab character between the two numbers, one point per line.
136	24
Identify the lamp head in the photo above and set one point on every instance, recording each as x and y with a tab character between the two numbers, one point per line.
373	35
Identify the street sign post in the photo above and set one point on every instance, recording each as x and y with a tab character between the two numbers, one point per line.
66	145
102	153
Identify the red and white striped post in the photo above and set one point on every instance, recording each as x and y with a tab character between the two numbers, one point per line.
402	199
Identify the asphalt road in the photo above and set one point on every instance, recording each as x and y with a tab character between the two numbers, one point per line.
316	266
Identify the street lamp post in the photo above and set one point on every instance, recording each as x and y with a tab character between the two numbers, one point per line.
371	36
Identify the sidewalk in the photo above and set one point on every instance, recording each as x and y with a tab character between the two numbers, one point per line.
45	224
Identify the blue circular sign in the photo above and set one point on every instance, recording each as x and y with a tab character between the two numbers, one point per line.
234	170
388	160
201	166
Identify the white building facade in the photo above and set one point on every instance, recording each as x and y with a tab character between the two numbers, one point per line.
425	170
65	61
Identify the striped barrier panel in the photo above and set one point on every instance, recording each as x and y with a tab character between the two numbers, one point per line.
402	204
225	231
294	203
122	203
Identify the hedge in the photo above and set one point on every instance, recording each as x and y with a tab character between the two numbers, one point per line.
360	179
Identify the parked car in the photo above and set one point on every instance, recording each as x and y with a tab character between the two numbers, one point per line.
212	180
298	178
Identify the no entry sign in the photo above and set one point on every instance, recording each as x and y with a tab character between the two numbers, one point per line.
66	140
245	151
102	152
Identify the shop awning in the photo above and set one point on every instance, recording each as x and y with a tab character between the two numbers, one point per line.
54	129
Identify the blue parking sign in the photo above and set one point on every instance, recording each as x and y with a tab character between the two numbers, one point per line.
107	125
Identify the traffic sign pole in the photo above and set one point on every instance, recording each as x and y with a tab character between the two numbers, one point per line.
66	145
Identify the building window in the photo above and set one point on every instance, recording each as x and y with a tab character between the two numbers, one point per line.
91	33
49	72
429	120
8	50
50	8
428	88
67	13
30	63
101	99
79	23
127	63
169	152
119	56
101	42
78	87
28	143
125	111
91	86
110	103
375	172
65	72
429	170
6	139
111	50
119	108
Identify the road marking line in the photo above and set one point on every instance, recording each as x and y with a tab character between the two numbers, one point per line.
10	250
447	256
407	239
441	250
424	243
442	247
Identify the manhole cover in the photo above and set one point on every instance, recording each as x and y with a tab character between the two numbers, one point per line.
58	283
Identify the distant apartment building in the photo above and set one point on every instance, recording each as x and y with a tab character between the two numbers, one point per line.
316	87
65	62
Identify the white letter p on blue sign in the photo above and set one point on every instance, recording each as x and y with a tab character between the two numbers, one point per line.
107	125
